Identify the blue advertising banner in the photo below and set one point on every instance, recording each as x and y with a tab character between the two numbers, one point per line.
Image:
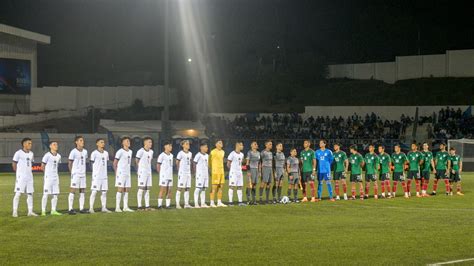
15	76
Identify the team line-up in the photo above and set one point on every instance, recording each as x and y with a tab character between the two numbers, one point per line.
269	166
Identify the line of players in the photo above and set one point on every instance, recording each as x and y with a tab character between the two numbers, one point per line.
268	166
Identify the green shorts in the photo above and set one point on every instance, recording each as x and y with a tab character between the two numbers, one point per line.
306	177
356	178
339	176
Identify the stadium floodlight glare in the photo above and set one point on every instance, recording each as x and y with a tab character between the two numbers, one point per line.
190	60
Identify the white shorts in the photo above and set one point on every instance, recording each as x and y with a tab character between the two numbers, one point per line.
100	184
24	185
51	185
166	181
202	181
144	180
123	181
78	181
184	181
236	179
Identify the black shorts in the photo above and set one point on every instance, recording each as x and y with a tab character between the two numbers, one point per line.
413	174
384	176
456	177
441	174
306	177
425	175
356	178
339	175
398	176
370	177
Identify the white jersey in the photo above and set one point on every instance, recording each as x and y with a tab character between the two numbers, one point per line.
166	168
202	165
78	159
236	161
184	159
51	165
99	164
24	161
144	163
124	162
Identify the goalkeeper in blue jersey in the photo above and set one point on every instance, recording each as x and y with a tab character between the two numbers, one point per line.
324	158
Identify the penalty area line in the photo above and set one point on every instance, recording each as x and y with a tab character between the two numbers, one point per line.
450	262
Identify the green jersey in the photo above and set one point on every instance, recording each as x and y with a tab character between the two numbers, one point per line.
399	160
371	163
307	157
455	160
427	157
384	160
339	158
356	161
441	160
414	159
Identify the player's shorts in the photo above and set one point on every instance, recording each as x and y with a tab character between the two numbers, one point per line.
24	184
279	174
441	174
254	175
306	177
384	176
100	184
184	180
218	179
51	185
324	176
296	178
398	176
123	181
166	181
144	179
78	181
456	177
356	178
370	177
202	181
425	175
267	175
413	174
236	179
339	175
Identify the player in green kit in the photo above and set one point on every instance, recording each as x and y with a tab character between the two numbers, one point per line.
371	165
455	169
441	162
385	162
399	159
357	162
308	170
428	164
340	170
415	159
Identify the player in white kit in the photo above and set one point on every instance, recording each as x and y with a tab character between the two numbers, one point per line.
22	162
236	178
77	167
49	165
122	164
164	167
143	160
99	159
201	168
183	163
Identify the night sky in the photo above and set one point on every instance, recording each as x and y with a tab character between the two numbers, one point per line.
118	42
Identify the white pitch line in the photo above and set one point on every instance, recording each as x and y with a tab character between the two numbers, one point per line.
450	262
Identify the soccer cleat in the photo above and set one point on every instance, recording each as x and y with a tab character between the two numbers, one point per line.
128	210
296	201
197	206
160	207
72	212
409	194
32	214
204	206
220	204
140	209
305	199
230	204
56	213
83	211
313	199
337	197
168	207
91	211
275	201
241	204
366	196
249	203
187	206
255	202
433	193
418	195
345	197
43	213
15	215
459	193
149	209
105	210
376	196
213	205
331	199
450	193
178	206
361	197
118	210
352	198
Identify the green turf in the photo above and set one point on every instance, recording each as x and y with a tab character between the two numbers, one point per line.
391	232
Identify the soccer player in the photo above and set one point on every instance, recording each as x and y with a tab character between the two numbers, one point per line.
324	157
183	163
49	165
399	160
217	172
385	162
357	162
255	166
415	159
267	170
143	160
77	167
441	161
425	168
371	165
340	170
293	169
455	169
236	179
308	169
99	159
201	168
22	162
122	164
164	167
279	172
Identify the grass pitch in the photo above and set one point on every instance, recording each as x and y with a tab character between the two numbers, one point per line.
372	232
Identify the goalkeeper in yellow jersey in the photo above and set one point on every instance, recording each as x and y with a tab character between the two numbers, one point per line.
216	162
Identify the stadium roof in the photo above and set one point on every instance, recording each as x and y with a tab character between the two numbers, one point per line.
37	37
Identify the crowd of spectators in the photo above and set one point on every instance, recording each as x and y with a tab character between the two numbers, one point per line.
453	124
